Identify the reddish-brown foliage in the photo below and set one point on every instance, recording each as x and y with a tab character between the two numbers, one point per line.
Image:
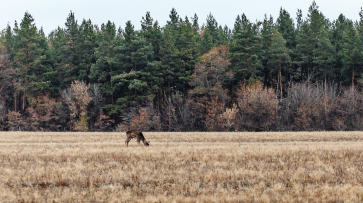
15	121
213	121
42	114
140	121
103	123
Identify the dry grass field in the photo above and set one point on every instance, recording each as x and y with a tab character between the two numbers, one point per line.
182	167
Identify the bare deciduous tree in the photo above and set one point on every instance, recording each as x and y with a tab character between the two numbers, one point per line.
15	121
77	98
258	107
229	118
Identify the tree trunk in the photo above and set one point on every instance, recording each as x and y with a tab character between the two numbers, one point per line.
272	80
325	98
301	72
169	106
280	80
277	84
24	101
15	102
308	77
113	101
353	79
316	75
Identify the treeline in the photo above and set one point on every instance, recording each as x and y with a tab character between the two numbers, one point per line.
285	74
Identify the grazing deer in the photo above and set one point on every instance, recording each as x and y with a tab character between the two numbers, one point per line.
139	136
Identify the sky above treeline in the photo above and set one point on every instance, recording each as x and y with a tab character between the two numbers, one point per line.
50	14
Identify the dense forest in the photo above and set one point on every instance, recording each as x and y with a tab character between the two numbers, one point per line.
288	74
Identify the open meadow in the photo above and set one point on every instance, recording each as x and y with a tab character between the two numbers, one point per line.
182	167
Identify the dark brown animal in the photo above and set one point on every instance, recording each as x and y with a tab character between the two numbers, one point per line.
135	134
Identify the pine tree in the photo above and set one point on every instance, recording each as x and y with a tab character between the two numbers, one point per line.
139	79
352	53
212	27
266	35
338	28
304	51
171	62
32	59
157	40
9	43
152	33
106	65
188	50
324	55
223	35
279	56
85	50
206	42
9	78
316	22
70	58
57	39
174	18
195	23
245	50
285	26
297	68
173	25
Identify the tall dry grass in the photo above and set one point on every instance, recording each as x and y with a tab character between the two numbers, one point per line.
182	167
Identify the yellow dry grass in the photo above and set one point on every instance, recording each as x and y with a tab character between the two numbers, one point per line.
182	167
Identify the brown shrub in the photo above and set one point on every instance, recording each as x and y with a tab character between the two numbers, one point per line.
141	121
257	107
348	113
307	108
15	121
103	123
42	114
213	119
178	113
228	118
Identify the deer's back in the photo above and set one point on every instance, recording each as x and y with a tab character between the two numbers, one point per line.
134	133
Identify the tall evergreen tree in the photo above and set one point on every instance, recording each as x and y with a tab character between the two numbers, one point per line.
352	53
195	23
206	42
85	50
139	79
304	51
9	43
279	56
266	38
106	65
70	60
188	53
32	59
285	26
171	62
338	29
152	34
245	50
57	40
324	55
173	25
212	27
316	22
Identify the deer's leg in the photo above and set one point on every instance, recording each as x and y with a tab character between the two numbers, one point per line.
127	141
